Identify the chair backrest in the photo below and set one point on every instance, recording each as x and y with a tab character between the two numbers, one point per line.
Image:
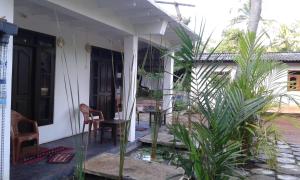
85	110
16	120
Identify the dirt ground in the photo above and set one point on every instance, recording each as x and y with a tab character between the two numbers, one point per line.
287	124
289	127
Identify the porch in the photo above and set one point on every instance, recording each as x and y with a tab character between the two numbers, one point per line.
45	171
54	41
59	42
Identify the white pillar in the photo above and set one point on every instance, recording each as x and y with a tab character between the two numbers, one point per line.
7	11
130	80
168	86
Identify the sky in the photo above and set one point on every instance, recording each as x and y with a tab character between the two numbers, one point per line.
218	13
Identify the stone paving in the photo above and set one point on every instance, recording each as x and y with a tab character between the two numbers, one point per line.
288	167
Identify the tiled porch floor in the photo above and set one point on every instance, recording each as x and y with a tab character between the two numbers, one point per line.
45	171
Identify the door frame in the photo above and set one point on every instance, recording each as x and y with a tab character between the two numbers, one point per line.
106	55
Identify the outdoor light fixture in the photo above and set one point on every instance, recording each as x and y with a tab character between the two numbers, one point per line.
88	48
60	42
6	30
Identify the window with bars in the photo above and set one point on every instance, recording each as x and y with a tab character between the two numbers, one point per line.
293	81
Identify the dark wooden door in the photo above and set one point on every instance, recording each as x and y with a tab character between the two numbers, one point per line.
22	80
44	85
33	76
102	86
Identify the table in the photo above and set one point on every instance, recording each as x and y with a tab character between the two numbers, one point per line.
114	126
152	112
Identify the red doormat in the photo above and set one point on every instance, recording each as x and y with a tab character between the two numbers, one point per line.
31	151
61	158
47	153
141	129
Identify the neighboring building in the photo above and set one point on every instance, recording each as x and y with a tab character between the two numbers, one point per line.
89	31
292	74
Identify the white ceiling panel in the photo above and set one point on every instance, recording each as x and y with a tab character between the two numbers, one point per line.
133	12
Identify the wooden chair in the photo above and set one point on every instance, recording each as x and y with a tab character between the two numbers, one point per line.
88	118
18	137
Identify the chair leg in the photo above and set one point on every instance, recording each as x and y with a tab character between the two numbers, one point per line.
95	126
82	133
90	129
102	134
14	153
37	147
18	151
83	128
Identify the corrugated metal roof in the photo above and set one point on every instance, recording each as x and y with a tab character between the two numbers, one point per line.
229	57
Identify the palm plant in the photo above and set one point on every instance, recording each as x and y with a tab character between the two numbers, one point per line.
205	143
287	39
214	153
258	77
217	146
245	16
190	50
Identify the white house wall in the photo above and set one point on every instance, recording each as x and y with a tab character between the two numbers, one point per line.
294	94
280	84
61	125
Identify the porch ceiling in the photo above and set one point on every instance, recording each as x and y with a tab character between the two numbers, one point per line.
127	14
141	12
36	12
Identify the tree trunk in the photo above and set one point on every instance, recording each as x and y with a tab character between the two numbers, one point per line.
255	11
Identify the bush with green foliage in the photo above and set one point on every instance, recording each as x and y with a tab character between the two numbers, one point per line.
180	105
258	77
156	94
234	128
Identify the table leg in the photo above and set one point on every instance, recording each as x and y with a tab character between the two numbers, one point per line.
150	115
138	117
102	134
159	119
114	134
